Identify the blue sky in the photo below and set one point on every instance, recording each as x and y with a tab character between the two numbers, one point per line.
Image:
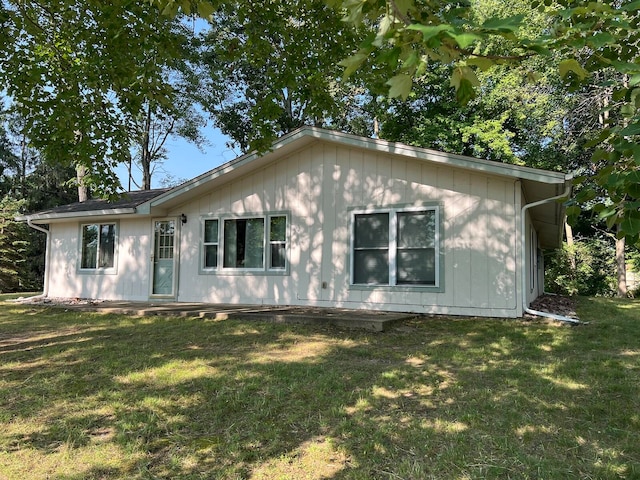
185	161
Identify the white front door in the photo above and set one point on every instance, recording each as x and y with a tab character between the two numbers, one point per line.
163	258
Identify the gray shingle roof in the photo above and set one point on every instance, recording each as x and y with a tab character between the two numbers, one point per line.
127	200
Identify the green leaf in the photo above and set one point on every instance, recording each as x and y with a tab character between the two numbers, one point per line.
602	136
611	221
572	65
504	25
601	39
633	189
631	7
464	73
600	154
205	9
624	67
430	31
585	195
186	7
170	10
465	39
383	28
573	211
400	86
606	212
412	59
465	91
482	63
633	129
539	49
630	226
403	6
354	11
352	63
636	154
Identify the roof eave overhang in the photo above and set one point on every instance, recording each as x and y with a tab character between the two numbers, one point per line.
549	218
61	217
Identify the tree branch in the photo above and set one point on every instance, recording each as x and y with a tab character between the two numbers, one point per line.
396	11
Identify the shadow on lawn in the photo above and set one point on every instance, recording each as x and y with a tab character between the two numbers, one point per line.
187	398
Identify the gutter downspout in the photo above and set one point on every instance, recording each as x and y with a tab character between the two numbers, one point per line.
523	228
45	291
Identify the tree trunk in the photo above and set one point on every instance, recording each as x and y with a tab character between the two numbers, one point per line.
621	267
83	191
572	254
146	152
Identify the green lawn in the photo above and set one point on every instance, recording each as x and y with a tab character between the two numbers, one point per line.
88	396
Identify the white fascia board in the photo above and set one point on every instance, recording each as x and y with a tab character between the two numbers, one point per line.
48	217
435	156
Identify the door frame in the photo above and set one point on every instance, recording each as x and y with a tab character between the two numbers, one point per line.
176	258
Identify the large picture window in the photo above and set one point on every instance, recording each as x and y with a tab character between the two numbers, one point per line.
395	247
98	246
257	243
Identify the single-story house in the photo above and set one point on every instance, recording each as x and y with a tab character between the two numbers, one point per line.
323	219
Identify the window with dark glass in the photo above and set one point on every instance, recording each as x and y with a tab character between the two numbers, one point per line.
98	246
210	243
278	242
416	247
244	243
395	247
371	249
252	243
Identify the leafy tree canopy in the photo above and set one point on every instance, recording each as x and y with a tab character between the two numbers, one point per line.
273	66
79	73
594	43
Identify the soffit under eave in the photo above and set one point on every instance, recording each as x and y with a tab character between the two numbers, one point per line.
548	218
106	217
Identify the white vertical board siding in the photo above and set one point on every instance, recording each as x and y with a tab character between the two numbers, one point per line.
131	278
318	186
63	260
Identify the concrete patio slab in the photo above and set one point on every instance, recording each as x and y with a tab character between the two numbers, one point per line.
376	321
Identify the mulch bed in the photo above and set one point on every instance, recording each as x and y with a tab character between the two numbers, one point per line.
558	304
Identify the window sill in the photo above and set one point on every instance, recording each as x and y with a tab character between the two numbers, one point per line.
239	272
97	271
398	288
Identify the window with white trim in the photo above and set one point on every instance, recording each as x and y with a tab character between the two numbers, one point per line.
395	247
210	243
98	249
253	243
277	242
